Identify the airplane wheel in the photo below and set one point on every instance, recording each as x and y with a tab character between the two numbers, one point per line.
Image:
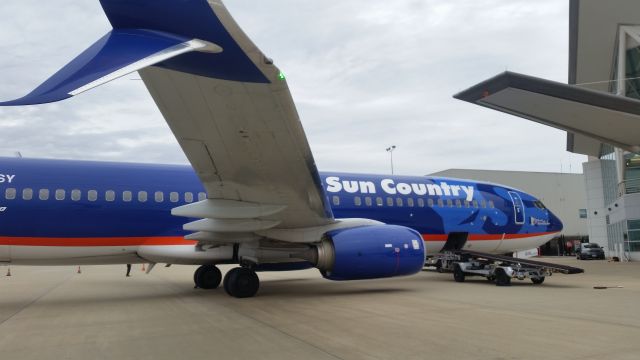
458	274
537	281
207	277
241	282
502	279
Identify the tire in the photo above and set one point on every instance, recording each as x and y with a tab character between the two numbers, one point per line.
241	283
537	281
439	266
458	274
502	279
195	276
208	277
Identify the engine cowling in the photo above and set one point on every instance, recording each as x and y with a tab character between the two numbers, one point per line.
370	252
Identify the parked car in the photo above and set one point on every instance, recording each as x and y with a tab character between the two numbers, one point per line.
589	251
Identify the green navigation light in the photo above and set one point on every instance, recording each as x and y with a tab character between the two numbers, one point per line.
281	76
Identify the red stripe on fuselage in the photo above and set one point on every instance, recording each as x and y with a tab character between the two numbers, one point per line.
80	242
484	237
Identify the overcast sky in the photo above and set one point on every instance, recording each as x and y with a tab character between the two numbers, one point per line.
364	75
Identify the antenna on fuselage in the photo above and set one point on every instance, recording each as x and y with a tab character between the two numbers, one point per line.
18	154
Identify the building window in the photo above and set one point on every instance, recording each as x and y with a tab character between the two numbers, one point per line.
142	196
110	195
158	196
10	193
188	197
127	196
60	194
174	197
92	195
76	194
582	213
43	194
27	194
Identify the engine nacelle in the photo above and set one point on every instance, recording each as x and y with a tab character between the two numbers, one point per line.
370	252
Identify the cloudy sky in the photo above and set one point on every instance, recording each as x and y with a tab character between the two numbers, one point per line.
364	75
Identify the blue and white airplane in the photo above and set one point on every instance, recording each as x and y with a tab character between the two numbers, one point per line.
252	195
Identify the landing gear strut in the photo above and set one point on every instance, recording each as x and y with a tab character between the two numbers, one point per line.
207	277
241	282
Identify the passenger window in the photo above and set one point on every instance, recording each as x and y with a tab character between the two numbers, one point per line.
357	201
174	197
27	194
159	196
475	204
92	195
440	203
202	196
10	193
110	195
188	197
379	201
60	194
142	196
458	203
449	203
76	194
491	204
127	196
420	202
410	202
467	204
368	201
399	202
430	201
336	200
43	194
483	203
389	201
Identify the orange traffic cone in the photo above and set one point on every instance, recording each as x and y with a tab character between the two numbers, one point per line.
79	271
9	271
143	269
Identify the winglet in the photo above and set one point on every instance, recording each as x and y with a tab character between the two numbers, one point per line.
118	53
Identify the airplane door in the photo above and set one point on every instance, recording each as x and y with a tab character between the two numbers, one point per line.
518	207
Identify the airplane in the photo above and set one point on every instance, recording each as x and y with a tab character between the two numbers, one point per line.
252	195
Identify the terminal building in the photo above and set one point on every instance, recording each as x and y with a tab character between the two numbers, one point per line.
600	110
564	194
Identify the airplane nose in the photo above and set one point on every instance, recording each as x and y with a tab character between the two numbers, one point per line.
555	224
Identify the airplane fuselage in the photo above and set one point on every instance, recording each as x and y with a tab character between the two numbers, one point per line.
81	212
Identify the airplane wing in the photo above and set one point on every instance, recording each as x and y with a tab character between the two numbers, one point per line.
594	114
227	104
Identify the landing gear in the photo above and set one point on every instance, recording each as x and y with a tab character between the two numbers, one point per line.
207	277
241	282
458	274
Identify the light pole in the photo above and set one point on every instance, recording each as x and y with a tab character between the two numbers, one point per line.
390	151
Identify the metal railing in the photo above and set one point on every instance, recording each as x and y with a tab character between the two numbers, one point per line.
630	186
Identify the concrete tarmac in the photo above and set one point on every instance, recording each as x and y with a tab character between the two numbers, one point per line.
55	313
